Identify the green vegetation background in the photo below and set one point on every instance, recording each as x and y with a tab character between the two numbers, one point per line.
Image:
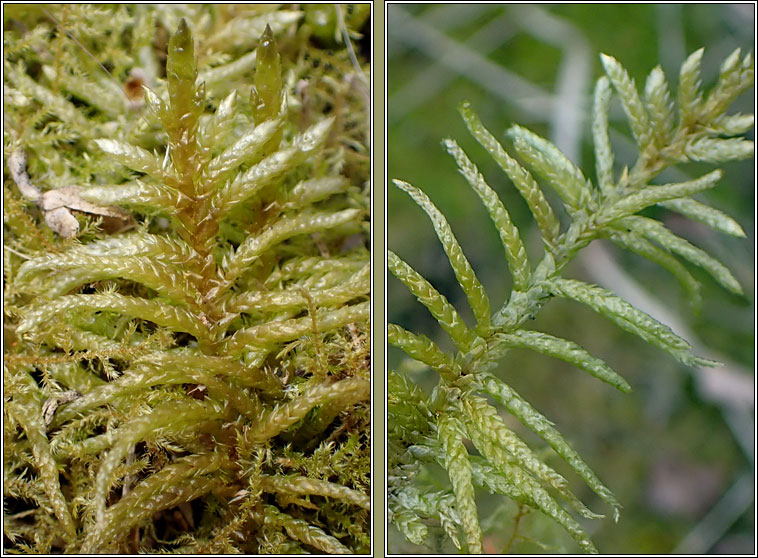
679	459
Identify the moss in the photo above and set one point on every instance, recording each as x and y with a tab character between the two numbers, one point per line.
429	431
186	281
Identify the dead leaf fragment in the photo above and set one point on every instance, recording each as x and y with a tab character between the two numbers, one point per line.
62	222
51	405
17	167
57	204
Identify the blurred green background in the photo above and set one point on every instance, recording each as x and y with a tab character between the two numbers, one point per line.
679	450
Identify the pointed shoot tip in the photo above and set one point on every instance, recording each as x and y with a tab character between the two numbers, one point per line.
268	35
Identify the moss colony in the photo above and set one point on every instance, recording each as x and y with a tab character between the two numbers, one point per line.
186	279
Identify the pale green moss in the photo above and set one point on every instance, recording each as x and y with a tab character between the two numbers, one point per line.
191	374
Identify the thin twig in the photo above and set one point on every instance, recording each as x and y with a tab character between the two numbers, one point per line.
516	521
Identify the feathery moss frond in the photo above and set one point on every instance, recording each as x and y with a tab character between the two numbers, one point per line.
430	429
